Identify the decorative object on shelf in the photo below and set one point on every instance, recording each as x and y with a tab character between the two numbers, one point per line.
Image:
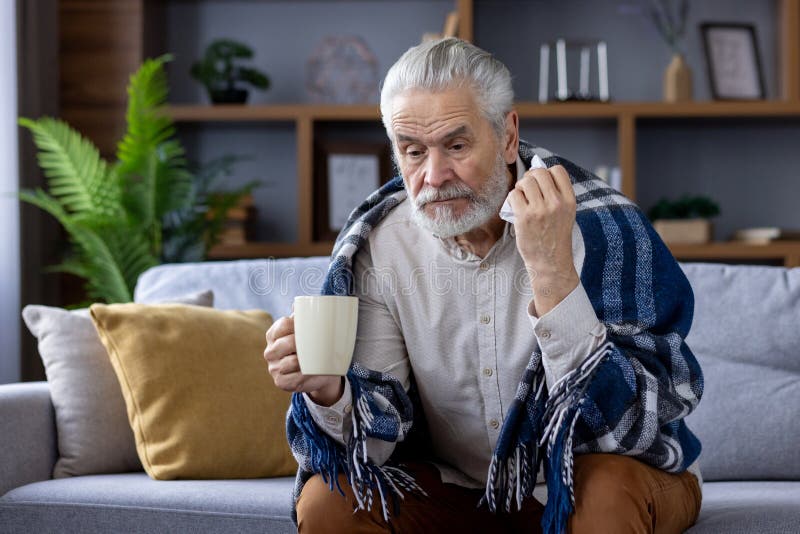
570	55
684	221
342	70
237	221
222	77
127	216
733	62
669	17
450	28
765	234
345	174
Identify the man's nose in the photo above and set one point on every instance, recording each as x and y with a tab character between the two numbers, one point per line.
438	169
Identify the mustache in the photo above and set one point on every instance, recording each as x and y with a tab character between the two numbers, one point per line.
447	192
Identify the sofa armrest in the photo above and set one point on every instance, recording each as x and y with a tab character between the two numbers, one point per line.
28	440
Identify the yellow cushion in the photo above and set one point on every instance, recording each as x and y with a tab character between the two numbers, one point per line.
199	398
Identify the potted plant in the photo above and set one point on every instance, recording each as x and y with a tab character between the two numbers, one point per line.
223	78
126	216
685	220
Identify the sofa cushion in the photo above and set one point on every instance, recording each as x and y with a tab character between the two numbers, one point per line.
748	507
746	336
268	285
199	398
94	435
132	502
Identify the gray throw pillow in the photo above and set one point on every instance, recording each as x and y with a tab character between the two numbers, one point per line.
94	435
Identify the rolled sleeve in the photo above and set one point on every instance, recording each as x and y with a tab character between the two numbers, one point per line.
334	420
567	334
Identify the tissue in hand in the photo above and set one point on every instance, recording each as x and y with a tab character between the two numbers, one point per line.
506	213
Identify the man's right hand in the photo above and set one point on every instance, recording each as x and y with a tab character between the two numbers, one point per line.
281	356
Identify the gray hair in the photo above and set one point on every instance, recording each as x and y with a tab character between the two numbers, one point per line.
449	63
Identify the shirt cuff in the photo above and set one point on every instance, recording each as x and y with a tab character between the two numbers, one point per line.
567	334
334	420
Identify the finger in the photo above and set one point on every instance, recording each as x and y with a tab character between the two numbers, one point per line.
280	328
530	188
517	201
547	186
563	181
290	382
280	348
288	365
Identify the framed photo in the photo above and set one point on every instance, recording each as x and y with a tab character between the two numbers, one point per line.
345	173
732	61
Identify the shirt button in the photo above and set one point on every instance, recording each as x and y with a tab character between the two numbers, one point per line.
332	419
484	266
348	408
545	334
487	371
485	319
494	424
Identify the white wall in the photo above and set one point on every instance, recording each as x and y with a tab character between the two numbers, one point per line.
9	205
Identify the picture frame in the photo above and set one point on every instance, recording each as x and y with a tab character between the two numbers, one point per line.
733	61
345	173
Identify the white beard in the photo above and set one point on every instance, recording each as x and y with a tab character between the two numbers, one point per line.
483	204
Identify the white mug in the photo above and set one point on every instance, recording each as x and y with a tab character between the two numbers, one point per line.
325	333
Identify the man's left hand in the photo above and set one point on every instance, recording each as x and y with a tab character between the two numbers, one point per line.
544	209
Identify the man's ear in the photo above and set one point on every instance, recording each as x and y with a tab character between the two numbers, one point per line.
511	137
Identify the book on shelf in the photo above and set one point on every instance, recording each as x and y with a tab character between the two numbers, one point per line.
765	234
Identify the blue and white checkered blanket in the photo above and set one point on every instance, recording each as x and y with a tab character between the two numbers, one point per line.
629	397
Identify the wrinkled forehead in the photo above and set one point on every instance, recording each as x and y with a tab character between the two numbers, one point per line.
435	115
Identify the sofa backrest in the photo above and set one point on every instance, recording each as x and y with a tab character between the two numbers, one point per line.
268	285
746	336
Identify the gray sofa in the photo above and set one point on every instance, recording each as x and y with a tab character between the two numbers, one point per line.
746	334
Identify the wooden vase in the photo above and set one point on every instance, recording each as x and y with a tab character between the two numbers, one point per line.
677	80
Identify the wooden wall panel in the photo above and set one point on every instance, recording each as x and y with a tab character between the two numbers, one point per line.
101	44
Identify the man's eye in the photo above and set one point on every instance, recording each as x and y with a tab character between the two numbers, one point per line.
413	153
456	147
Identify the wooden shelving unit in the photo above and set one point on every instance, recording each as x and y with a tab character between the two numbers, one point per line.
626	115
786	253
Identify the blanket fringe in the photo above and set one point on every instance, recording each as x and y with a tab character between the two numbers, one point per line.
561	415
363	475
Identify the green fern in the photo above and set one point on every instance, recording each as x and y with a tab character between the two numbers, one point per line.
96	252
77	176
112	213
151	161
115	214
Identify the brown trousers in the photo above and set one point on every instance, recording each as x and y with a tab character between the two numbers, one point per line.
613	494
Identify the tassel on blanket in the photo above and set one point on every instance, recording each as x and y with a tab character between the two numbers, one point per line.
329	459
326	458
561	414
363	475
515	462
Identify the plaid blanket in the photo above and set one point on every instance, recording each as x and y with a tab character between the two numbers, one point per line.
628	397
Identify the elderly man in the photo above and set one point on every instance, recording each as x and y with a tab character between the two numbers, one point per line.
494	351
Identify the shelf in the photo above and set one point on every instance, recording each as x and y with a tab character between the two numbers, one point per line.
269	250
787	252
267	113
527	110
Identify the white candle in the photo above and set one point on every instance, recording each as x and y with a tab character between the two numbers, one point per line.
602	70
561	58
544	72
585	72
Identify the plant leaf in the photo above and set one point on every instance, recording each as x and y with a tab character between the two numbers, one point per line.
77	177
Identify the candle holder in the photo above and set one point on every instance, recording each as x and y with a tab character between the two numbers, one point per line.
573	65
